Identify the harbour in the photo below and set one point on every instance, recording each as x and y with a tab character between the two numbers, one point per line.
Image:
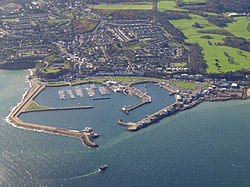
209	134
184	99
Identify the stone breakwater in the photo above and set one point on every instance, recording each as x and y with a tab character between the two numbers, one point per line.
35	89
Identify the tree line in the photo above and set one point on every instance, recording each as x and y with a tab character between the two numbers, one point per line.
218	6
196	62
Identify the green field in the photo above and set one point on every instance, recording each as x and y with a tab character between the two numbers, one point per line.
185	85
125	6
239	27
213	54
130	79
34	106
168	5
57	20
162	6
11	20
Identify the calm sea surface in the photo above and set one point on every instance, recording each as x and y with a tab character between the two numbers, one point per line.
205	146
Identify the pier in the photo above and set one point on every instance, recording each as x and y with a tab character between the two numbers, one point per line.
148	120
144	99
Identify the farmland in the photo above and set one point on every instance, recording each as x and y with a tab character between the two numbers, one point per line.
214	54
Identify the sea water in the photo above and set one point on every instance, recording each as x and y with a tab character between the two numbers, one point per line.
208	145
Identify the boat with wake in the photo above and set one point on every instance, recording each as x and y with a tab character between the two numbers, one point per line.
103	167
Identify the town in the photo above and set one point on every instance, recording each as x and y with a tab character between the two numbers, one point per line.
71	43
65	40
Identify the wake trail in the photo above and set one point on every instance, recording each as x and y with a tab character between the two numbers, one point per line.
86	175
72	178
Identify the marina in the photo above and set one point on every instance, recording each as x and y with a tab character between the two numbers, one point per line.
61	94
79	92
103	90
89	89
71	95
91	92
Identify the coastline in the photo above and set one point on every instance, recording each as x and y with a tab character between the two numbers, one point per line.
185	99
7	119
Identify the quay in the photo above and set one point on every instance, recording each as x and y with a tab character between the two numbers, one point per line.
36	88
148	120
144	99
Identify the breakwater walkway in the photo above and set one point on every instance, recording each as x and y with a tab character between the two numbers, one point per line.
36	88
58	109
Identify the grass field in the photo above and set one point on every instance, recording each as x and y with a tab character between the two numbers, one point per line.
239	27
185	85
213	54
125	6
162	6
193	1
130	79
11	20
57	20
168	5
34	106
